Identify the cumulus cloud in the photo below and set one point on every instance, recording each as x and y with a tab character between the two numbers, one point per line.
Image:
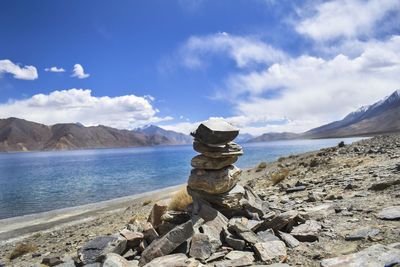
78	105
315	90
181	127
244	51
79	72
55	69
23	73
344	18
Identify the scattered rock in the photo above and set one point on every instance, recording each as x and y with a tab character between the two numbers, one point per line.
200	247
377	255
390	213
289	240
175	217
166	244
244	233
307	232
280	221
362	234
155	215
98	248
115	260
267	235
242	261
173	260
52	261
133	238
150	234
271	251
295	189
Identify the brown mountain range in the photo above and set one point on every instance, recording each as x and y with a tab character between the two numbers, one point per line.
21	135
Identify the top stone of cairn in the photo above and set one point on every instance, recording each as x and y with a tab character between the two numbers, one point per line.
215	131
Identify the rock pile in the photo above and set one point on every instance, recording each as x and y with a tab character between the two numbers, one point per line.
214	177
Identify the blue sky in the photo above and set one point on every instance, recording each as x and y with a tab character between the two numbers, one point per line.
264	65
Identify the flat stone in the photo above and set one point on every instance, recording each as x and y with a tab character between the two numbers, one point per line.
155	215
115	260
175	217
280	221
96	249
242	261
390	213
320	212
217	255
234	242
377	255
214	182
207	163
229	200
133	238
215	131
267	235
230	149
362	234
214	236
150	234
51	261
307	232
236	254
68	263
289	240
271	251
200	247
243	232
173	260
166	244
295	189
253	225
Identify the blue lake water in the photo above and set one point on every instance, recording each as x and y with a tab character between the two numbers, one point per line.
34	182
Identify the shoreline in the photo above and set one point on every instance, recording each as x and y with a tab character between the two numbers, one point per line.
25	225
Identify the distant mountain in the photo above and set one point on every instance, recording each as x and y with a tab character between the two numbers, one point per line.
380	117
21	135
243	138
274	137
179	138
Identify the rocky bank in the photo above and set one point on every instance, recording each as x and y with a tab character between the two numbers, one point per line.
338	206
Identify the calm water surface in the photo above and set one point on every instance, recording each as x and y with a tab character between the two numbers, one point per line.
40	181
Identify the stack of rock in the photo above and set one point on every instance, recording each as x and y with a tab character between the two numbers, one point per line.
214	177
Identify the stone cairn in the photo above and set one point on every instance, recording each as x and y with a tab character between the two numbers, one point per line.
214	177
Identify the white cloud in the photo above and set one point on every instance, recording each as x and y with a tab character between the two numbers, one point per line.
23	73
316	90
78	105
243	50
79	72
55	69
344	18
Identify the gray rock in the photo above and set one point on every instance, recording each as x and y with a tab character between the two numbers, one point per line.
98	248
133	238
217	255
377	255
166	244
230	149
253	225
267	235
51	261
289	240
173	260
234	242
68	263
115	260
307	232
214	182
295	189
207	163
229	200
390	213
200	247
95	264
215	131
242	261
236	254
280	221
214	236
320	212
150	234
271	251
362	234
175	217
243	232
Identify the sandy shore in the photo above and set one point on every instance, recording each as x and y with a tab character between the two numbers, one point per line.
19	227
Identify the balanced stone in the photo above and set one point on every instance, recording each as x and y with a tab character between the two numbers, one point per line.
214	181
203	162
215	131
230	149
228	200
